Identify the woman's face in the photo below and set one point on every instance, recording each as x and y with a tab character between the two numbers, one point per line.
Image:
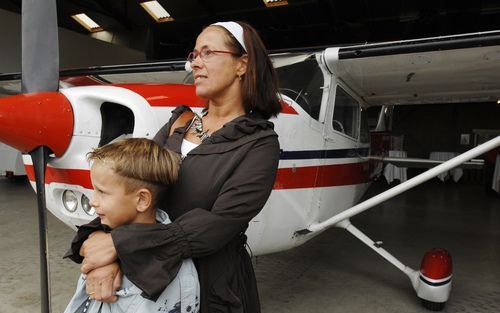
216	77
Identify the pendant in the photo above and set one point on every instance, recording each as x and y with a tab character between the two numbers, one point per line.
197	128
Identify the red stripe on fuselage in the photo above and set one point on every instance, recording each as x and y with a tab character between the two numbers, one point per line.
322	176
63	176
287	178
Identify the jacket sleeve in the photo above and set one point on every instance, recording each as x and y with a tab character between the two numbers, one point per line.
82	234
160	249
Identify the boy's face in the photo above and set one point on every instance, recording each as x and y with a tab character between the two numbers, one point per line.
112	203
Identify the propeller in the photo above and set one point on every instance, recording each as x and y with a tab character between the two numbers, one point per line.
40	73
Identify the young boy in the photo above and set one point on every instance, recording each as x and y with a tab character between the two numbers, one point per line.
128	176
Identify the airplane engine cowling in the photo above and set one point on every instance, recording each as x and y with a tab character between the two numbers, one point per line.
38	119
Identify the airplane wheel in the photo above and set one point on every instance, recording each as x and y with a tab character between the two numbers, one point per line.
433	306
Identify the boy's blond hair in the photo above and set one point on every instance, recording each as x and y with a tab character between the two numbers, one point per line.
141	162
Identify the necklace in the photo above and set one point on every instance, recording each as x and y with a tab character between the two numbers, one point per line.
197	126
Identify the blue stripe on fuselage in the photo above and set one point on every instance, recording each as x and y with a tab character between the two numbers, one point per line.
324	154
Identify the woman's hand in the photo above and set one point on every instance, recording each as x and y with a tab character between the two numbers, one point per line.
102	283
98	250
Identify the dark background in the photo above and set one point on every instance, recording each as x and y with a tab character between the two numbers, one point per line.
301	23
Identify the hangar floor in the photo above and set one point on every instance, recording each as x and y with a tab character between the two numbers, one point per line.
332	273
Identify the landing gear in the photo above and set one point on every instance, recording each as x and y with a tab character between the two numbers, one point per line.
432	282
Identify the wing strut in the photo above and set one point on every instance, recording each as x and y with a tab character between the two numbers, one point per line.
415	181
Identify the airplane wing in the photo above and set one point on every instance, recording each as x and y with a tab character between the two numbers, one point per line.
449	69
154	72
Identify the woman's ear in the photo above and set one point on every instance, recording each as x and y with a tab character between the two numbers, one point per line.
144	200
242	65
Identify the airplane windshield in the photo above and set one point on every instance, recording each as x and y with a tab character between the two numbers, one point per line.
302	82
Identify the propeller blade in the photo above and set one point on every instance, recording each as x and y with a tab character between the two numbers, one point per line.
40	48
40	156
40	73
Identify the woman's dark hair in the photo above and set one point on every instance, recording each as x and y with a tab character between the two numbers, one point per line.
259	86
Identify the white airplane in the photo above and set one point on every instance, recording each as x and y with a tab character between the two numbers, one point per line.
328	156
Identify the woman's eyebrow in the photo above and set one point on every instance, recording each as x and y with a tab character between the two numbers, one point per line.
202	47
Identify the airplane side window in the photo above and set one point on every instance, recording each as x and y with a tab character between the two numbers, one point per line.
302	82
117	120
345	114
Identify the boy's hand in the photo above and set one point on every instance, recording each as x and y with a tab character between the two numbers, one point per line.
98	250
102	283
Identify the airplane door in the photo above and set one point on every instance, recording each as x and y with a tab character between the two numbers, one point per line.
305	82
343	167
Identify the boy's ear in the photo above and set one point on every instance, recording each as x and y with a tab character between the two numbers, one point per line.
144	200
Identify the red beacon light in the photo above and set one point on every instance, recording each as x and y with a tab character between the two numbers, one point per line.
434	280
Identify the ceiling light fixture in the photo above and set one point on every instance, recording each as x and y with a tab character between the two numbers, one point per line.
87	22
155	9
275	3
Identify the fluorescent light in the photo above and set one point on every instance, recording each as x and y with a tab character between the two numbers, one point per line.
275	3
87	22
155	9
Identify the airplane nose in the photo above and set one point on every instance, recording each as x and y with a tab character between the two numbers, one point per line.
38	119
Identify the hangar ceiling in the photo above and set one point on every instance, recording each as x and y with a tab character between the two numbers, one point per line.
301	23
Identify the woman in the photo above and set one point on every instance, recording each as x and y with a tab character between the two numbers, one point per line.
231	155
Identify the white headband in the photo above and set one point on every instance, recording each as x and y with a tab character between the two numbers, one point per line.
236	30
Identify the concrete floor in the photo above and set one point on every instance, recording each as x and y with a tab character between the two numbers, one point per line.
332	273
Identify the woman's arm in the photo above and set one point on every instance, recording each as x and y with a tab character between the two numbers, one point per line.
150	255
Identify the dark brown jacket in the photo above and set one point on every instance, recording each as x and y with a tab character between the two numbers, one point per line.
222	185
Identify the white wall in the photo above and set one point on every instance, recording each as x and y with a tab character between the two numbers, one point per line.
75	50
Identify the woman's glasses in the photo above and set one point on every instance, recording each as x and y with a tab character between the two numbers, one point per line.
205	54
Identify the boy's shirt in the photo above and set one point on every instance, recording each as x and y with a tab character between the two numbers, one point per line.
180	296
